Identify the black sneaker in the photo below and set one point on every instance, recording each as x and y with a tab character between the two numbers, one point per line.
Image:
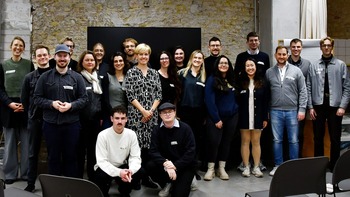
30	188
9	181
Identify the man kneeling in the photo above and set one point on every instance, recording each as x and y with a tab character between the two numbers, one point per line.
172	154
117	155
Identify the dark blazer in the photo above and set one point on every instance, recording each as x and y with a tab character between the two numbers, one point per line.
260	107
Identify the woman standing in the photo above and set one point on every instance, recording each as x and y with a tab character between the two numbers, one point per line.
112	85
253	102
99	52
179	56
90	116
222	116
144	93
168	78
191	107
14	120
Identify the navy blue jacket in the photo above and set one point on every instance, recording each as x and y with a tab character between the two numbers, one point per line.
220	104
69	87
261	100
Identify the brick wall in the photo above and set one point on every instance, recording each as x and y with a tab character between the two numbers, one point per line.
338	22
230	20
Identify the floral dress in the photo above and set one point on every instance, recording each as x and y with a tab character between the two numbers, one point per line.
145	89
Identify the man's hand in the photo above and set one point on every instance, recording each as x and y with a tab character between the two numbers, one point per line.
65	107
60	106
172	174
313	114
169	165
301	116
125	175
340	112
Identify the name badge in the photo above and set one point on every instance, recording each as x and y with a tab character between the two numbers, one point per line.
243	91
200	83
68	87
291	78
101	76
88	88
10	71
260	62
173	143
171	85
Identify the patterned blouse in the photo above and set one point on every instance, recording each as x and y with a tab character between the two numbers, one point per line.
145	89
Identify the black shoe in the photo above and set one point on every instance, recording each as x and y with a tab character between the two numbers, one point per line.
148	182
10	181
30	188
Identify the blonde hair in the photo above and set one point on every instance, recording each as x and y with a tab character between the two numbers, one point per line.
202	73
143	48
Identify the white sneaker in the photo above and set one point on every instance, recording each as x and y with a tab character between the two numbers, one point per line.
194	185
257	172
329	188
165	191
272	172
246	172
241	166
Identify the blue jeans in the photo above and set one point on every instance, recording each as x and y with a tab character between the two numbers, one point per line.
281	120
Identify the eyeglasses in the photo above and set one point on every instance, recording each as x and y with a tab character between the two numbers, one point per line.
327	45
70	46
167	112
164	58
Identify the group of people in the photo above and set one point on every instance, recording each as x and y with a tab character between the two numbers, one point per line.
138	125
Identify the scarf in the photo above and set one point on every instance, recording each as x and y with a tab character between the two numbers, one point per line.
92	78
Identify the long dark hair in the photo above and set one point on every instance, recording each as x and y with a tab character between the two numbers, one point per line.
258	79
111	64
221	83
172	74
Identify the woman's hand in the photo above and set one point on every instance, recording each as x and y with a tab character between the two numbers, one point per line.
147	115
219	124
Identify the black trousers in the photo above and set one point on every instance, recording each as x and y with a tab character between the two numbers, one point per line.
327	113
87	145
35	136
103	181
181	187
219	140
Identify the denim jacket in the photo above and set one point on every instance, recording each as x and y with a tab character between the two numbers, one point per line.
338	79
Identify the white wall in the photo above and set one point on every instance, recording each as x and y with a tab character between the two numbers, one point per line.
279	19
15	20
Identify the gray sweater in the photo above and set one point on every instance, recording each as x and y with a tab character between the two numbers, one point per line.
289	95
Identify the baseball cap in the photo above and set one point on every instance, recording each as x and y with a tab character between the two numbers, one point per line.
62	48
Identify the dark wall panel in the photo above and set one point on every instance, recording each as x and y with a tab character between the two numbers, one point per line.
158	38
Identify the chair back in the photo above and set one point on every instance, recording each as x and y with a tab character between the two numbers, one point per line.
341	169
60	186
300	176
2	183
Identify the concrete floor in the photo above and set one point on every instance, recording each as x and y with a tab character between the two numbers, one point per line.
237	186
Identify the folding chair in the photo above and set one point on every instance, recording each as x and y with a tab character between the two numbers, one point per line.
297	177
60	186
